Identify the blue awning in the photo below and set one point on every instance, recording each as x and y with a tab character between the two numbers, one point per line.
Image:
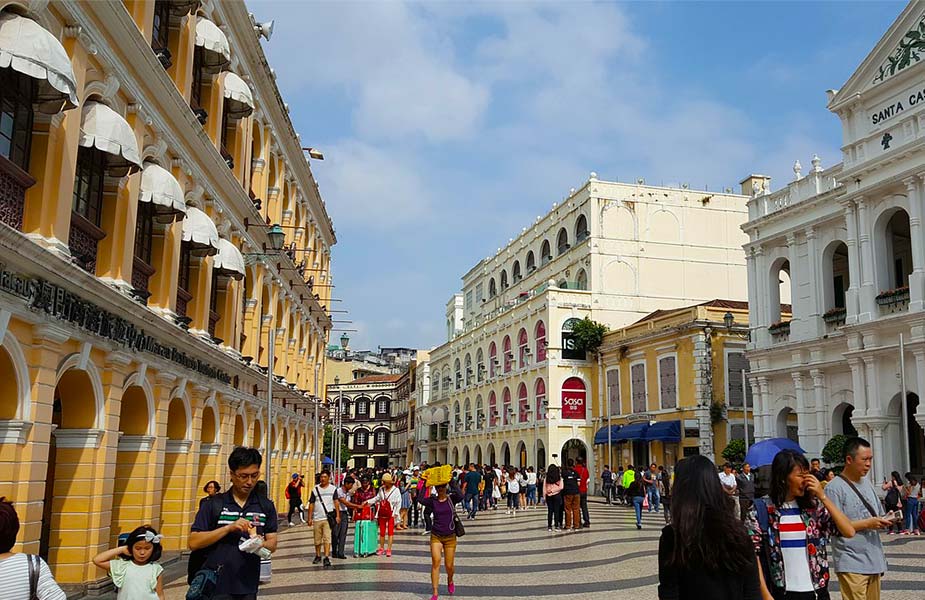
664	431
601	436
634	431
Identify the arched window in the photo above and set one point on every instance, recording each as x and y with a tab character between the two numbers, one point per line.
468	369
479	365
457	372
515	272
492	359
457	417
362	409
562	244
540	394
503	280
835	273
545	253
779	287
479	413
574	398
508	355
540	336
581	229
569	345
467	415
523	349
523	405
382	407
382	438
492	290
436	383
531	262
582	280
361	439
492	410
507	412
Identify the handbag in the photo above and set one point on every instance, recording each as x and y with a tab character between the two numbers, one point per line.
460	530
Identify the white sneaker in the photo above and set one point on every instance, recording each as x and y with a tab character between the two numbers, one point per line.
291	524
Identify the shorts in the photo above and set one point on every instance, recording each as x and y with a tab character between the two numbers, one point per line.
386	527
447	541
322	530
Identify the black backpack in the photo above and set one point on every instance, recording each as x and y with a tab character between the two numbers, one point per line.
197	558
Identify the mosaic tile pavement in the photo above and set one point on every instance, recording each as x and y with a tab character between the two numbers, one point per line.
514	556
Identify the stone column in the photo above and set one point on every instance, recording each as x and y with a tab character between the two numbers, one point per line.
798	316
806	422
819	404
815	327
759	327
859	387
868	291
880	469
854	266
767	404
874	405
917	277
757	409
753	292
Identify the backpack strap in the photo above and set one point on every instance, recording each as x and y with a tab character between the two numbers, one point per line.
35	567
761	513
217	504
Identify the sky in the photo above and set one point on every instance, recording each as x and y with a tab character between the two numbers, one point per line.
447	127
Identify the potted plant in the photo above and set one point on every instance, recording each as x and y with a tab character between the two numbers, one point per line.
894	296
835	315
779	328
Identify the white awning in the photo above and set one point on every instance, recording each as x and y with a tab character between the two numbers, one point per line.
200	232
104	129
212	39
229	260
30	49
240	100
161	189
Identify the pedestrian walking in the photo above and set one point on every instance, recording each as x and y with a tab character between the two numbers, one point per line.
791	530
232	531
324	516
470	487
540	483
628	476
571	491
636	494
133	567
17	571
552	492
912	492
730	486
665	485
893	501
531	481
346	505
584	477
650	478
388	506
443	537
294	495
607	483
859	561
492	488
521	476
405	502
704	554
745	483
513	491
211	488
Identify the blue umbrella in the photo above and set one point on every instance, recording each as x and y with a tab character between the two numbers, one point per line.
327	461
763	452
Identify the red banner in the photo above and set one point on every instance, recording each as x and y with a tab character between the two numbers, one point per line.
573	404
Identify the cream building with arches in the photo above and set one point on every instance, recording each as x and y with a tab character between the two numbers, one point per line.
144	156
508	386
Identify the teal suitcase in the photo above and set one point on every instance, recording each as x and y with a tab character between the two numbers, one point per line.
365	538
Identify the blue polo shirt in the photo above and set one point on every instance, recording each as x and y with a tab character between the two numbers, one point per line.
240	571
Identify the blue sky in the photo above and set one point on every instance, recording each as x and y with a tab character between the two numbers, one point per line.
447	127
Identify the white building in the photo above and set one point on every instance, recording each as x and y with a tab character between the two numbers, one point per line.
508	385
850	240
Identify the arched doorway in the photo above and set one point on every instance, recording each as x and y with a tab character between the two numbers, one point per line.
466	460
478	455
492	459
841	420
540	454
9	387
239	429
522	455
177	477
505	455
70	461
787	426
574	449
130	485
894	435
455	455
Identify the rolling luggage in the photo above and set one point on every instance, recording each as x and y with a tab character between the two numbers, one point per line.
365	538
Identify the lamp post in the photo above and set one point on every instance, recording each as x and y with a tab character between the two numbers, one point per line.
335	434
318	446
270	359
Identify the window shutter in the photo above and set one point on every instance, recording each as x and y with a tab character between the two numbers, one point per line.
736	362
613	391
667	385
638	376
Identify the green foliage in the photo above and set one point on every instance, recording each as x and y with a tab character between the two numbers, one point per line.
344	450
589	335
834	451
717	413
735	452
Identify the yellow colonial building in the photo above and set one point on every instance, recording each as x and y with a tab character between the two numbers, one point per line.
672	386
162	235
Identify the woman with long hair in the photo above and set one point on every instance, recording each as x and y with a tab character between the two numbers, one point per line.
800	519
704	553
893	501
443	533
552	492
513	491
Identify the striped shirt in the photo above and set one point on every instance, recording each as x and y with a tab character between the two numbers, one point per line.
14	580
793	548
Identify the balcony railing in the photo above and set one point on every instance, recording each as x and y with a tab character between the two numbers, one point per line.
13	185
82	241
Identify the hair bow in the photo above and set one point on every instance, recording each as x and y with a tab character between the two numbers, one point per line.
154	538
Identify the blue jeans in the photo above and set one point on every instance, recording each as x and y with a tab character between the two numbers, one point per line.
637	504
531	494
654	498
912	514
471	503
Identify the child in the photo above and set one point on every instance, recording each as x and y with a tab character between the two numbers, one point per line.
133	567
405	502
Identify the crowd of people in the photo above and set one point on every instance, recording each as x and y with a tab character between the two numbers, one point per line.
724	536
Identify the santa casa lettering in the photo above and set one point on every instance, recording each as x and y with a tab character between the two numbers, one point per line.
894	108
576	402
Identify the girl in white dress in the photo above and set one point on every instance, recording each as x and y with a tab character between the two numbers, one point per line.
133	567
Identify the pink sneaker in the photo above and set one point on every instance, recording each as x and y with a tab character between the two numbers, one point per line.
379	552
388	553
451	588
434	597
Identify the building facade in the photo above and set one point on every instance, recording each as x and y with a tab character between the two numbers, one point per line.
849	238
401	409
366	421
509	386
420	400
673	386
145	151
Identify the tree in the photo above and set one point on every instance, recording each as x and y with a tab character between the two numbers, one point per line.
344	450
735	451
834	451
588	334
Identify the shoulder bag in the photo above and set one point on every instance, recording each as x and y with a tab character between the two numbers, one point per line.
861	497
35	567
460	530
330	514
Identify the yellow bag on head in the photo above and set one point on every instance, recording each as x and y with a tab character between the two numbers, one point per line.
438	475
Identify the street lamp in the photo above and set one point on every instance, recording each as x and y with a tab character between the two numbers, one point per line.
335	434
277	236
344	341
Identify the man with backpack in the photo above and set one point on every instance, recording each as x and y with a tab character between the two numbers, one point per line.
218	567
607	483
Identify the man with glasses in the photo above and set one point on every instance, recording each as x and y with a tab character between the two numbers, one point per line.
227	519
